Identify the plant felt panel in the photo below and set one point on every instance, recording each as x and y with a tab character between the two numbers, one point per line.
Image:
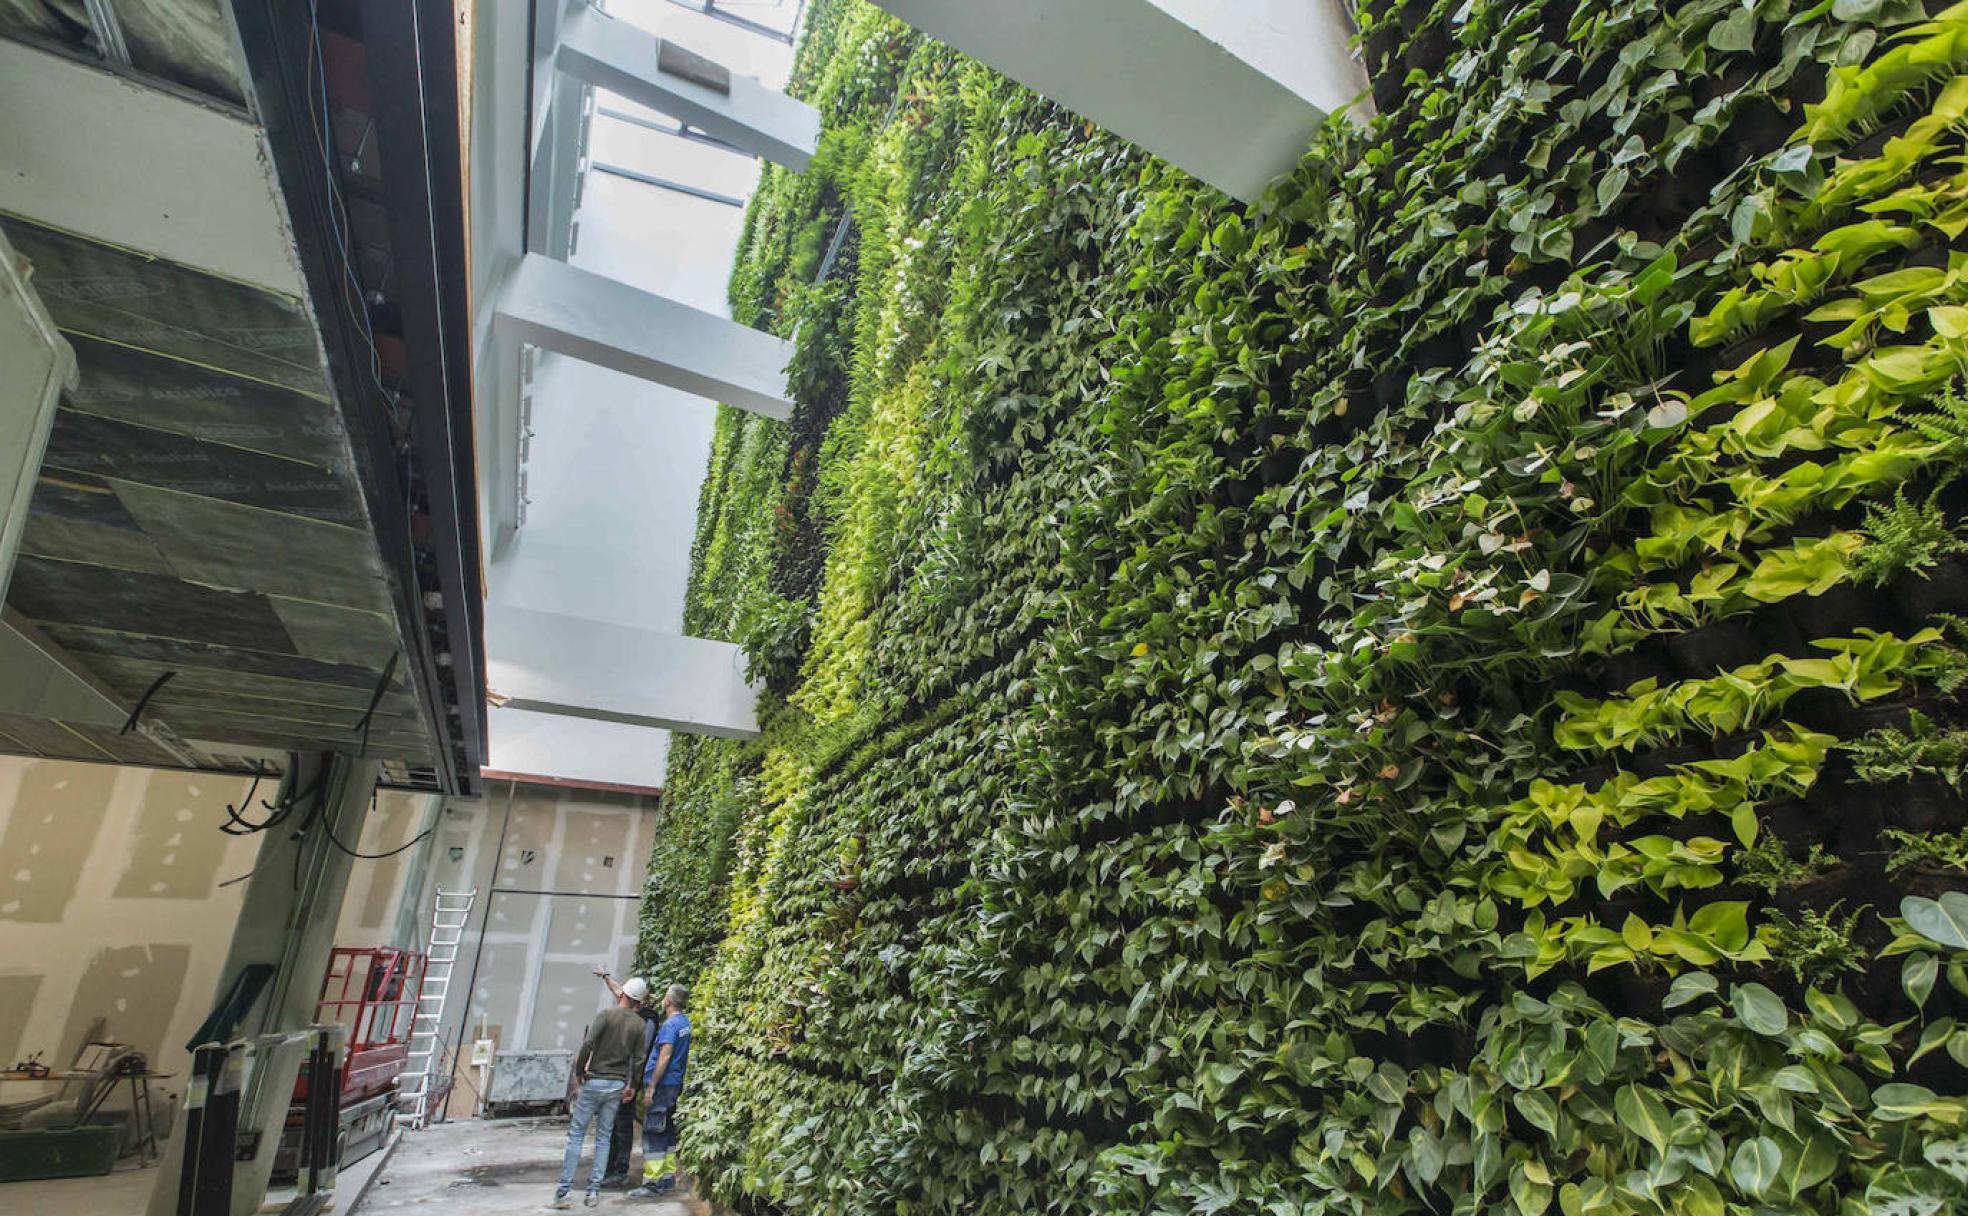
1436	692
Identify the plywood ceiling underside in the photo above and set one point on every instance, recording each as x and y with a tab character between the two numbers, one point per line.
198	513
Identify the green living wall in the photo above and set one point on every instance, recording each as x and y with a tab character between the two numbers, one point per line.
1433	692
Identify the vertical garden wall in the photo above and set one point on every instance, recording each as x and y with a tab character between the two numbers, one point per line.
1434	693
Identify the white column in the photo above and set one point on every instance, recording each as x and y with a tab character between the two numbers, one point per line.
1231	92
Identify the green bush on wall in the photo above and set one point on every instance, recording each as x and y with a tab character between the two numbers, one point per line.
1435	692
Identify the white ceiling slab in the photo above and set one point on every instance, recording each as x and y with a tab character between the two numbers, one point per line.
94	153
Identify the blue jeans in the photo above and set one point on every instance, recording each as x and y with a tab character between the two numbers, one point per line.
596	1102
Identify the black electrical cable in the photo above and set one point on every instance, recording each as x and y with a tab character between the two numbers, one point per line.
360	856
375	699
144	701
237	824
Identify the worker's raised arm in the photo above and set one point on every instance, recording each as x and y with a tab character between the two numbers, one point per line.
614	989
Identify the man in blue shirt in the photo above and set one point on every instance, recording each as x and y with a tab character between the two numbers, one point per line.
664	1083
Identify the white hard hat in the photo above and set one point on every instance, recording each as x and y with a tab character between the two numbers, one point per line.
637	990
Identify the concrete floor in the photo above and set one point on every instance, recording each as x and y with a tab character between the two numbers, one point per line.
121	1193
492	1167
126	1191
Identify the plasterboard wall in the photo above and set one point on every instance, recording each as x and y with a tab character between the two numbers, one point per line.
114	904
569	874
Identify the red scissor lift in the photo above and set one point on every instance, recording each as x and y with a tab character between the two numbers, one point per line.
372	992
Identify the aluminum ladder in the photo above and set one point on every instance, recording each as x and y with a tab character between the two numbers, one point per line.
420	1072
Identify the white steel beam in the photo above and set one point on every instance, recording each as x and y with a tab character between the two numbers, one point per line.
624	59
1233	93
551	663
606	322
501	46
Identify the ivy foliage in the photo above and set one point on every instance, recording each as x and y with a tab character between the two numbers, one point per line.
1431	693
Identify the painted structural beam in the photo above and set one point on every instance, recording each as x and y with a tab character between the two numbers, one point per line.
551	663
606	322
624	59
1232	93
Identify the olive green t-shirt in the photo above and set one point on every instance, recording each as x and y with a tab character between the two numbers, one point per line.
612	1045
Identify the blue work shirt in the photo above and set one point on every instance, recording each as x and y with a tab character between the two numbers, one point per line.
676	1032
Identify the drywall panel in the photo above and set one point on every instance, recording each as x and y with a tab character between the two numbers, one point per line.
17	993
567	1001
593	844
126	874
496	996
177	853
127	995
58	811
104	156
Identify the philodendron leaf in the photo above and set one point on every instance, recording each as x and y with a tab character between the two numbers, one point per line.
1903	1192
1760	1009
1754	1166
1702	1198
1538	1110
1917	977
1736	32
1943	920
1807	1164
1900	1101
1532	1197
1643	1114
1691	986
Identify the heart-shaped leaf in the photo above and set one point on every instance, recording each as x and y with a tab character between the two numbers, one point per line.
1943	920
1755	1165
1759	1009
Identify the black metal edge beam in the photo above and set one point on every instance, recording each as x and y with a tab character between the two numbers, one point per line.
710	8
413	84
664	183
275	38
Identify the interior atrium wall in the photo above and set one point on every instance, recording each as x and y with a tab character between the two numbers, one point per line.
117	903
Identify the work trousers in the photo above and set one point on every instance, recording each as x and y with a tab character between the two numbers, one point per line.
659	1134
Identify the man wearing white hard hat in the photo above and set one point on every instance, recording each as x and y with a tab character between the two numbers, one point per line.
604	1066
621	1149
